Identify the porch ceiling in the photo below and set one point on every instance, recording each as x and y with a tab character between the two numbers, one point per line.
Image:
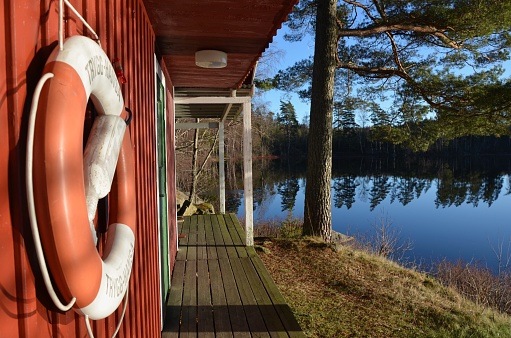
241	28
210	110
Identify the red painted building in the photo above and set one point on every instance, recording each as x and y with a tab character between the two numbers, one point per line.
155	42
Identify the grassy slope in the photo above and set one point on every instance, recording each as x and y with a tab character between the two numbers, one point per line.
352	294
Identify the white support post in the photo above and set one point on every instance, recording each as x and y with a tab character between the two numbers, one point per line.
247	172
221	165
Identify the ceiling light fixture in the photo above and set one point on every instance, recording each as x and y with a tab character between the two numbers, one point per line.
210	59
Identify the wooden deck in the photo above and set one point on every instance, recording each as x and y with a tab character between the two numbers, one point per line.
220	287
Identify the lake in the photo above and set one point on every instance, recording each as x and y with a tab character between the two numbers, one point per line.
456	209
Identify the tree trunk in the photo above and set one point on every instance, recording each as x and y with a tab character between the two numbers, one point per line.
196	170
193	187
318	202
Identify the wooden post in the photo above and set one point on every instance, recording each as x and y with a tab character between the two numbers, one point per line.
221	165
247	172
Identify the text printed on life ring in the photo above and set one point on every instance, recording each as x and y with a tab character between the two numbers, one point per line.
116	286
100	65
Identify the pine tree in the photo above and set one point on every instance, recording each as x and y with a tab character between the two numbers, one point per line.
439	60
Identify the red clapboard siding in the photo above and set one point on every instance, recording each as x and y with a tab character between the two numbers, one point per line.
28	34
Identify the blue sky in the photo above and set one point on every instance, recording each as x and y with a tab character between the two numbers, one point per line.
292	52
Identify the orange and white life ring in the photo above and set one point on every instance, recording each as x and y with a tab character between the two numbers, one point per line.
68	181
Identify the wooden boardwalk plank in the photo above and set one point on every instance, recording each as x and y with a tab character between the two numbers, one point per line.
192	239
270	315
189	306
210	238
201	239
173	312
238	227
234	305
206	327
220	287
236	239
220	311
229	244
183	239
219	239
256	322
280	304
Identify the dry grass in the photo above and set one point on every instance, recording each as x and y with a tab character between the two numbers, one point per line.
349	293
477	283
279	228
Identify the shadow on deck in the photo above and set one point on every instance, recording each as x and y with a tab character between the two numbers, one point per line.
220	287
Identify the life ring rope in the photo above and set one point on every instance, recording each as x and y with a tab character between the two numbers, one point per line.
79	16
30	198
118	327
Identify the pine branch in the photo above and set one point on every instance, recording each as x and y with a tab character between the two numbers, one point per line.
430	30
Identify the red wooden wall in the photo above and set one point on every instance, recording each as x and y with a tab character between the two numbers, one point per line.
28	33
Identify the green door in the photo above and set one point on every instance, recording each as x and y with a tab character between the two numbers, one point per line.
162	191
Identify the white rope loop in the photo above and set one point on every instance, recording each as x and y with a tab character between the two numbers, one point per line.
30	197
61	23
87	322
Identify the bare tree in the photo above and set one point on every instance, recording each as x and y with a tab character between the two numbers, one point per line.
386	240
198	170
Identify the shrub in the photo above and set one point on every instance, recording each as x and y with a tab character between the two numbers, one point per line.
278	228
477	283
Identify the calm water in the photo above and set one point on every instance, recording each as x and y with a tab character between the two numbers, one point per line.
460	212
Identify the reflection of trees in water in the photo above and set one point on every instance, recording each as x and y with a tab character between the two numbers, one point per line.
288	189
457	183
470	181
493	188
451	191
376	189
233	201
379	191
266	177
269	179
405	190
364	183
263	198
344	191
